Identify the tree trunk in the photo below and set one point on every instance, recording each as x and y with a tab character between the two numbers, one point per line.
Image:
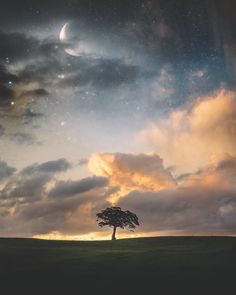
114	234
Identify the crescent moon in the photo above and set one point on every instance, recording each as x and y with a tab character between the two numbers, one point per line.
62	35
62	38
72	52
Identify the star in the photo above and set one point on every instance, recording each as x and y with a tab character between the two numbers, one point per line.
61	76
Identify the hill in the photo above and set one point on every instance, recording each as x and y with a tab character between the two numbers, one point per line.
166	264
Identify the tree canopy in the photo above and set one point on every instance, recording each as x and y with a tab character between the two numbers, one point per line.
115	217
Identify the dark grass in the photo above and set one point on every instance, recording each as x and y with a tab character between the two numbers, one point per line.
167	265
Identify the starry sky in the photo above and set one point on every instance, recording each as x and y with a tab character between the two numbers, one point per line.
133	104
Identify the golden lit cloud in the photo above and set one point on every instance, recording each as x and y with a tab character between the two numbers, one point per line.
204	203
191	134
219	173
128	172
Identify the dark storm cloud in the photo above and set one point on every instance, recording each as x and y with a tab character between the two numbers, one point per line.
5	170
26	189
50	167
198	210
66	215
53	211
29	184
70	188
25	194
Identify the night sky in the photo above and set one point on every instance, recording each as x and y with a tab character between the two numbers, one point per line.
129	103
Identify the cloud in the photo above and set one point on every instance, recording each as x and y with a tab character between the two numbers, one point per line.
22	190
40	67
107	73
2	130
55	166
30	114
205	203
192	133
23	138
28	208
83	162
17	70
5	75
5	170
24	202
99	72
19	47
30	183
163	86
39	92
130	172
45	72
6	95
66	215
70	188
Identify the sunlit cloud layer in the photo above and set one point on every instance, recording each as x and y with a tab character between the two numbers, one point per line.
129	172
204	203
191	134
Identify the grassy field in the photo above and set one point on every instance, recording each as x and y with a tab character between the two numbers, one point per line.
168	265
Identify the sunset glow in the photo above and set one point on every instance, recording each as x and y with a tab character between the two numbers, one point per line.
128	104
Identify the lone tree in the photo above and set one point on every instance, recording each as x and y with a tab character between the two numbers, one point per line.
115	217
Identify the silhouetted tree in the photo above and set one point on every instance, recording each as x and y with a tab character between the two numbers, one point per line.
115	217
